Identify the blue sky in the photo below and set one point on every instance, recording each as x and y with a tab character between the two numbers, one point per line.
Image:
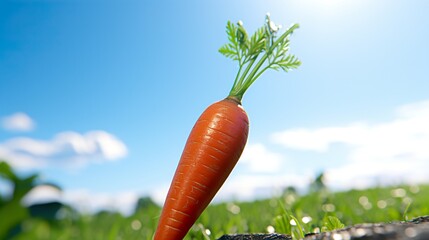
99	96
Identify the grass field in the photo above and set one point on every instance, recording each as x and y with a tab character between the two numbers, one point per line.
311	211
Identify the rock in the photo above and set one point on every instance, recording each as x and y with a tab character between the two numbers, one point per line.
376	232
416	229
255	236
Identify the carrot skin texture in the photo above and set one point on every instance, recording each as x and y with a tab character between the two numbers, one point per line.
212	150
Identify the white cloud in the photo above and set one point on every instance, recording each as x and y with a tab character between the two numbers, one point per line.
66	149
257	158
18	122
246	187
388	152
250	186
320	139
159	194
84	200
41	194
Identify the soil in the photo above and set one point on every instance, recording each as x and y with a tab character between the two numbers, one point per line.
416	229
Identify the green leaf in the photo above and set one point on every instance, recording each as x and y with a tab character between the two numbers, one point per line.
23	186
15	214
231	30
282	224
7	172
287	63
242	38
298	230
257	43
228	51
231	49
332	223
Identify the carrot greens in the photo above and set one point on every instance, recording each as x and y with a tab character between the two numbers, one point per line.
263	50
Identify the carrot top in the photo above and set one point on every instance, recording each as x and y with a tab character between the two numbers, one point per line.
264	45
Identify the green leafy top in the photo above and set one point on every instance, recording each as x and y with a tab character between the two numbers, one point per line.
264	45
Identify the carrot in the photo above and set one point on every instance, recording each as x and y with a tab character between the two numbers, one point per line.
218	137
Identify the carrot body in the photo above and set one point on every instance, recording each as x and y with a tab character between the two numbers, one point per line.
211	152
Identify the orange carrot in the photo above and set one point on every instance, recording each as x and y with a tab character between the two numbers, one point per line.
220	134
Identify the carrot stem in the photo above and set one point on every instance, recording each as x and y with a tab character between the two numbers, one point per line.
275	51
